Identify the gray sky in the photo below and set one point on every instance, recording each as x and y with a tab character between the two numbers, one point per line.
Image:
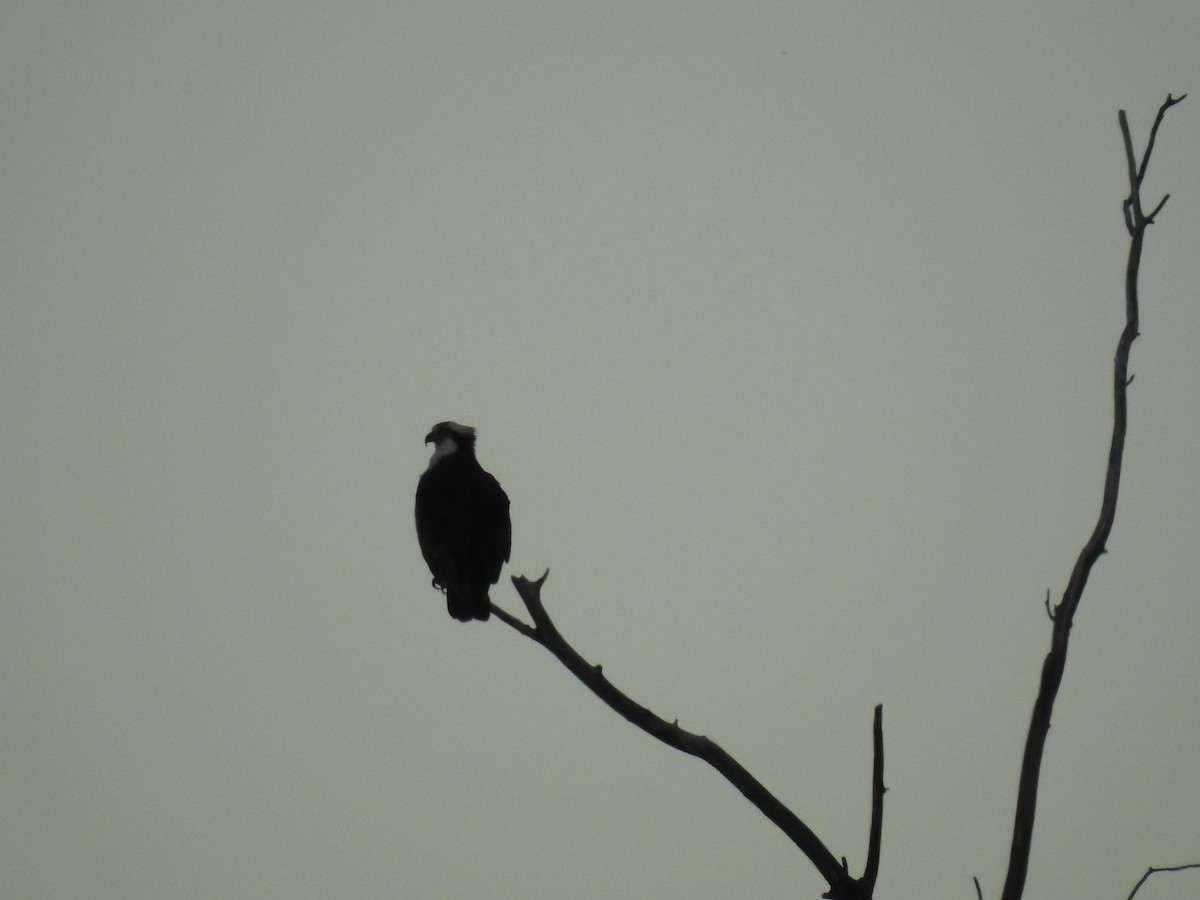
788	329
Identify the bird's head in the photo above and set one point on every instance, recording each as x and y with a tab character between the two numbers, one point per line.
448	438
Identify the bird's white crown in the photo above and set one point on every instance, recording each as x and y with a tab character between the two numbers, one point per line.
446	437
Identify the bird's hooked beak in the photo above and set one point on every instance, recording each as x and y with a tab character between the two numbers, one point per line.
430	438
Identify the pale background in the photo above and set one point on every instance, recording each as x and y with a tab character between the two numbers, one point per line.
788	329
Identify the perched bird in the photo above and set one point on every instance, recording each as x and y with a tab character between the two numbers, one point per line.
462	522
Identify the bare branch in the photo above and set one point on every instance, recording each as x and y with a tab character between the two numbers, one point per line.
1153	869
512	621
842	886
871	871
1123	121
1056	659
1157	209
1162	111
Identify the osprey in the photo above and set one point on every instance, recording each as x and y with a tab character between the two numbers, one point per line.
462	522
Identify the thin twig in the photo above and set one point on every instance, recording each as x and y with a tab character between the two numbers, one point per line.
1162	111
1154	869
1157	209
871	871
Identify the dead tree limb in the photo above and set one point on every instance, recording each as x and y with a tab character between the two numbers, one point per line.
842	885
1155	869
1136	221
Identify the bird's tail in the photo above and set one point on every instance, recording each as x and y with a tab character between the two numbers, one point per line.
468	602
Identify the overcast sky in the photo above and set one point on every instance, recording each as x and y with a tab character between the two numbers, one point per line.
787	327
